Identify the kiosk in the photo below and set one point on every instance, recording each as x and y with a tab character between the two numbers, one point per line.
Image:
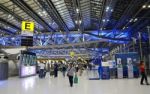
28	64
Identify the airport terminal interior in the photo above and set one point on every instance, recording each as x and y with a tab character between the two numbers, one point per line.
74	46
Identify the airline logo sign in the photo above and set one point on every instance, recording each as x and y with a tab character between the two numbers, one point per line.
27	28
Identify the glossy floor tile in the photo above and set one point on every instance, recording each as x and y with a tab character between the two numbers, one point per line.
60	85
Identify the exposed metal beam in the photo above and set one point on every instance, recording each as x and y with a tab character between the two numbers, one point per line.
66	45
120	39
6	10
9	24
7	31
51	10
30	12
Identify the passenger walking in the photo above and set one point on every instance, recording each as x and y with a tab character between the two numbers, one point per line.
70	73
42	70
143	74
55	70
81	70
64	69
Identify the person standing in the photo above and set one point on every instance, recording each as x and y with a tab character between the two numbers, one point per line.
70	73
143	74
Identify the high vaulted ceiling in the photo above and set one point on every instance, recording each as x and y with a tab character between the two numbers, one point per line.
105	19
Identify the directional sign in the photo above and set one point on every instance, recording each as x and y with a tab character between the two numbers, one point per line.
27	28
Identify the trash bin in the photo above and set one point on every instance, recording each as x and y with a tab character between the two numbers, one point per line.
3	70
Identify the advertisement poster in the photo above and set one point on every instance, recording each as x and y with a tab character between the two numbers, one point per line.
129	61
130	68
119	68
119	64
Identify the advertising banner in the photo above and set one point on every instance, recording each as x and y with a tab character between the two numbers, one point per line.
130	68
119	68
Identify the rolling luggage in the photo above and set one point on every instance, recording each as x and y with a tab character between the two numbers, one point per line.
76	79
51	73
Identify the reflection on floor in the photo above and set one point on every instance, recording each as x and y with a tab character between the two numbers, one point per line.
60	85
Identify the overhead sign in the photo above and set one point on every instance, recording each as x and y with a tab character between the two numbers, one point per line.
72	54
27	28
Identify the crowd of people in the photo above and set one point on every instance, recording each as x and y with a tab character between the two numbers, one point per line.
70	69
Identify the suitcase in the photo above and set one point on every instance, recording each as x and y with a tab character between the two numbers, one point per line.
44	73
51	73
76	79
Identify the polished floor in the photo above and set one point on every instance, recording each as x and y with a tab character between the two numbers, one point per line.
60	85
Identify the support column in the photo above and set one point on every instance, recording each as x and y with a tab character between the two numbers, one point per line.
140	44
148	28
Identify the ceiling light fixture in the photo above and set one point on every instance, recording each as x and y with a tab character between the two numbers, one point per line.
80	21
135	19
148	6
144	6
77	10
103	20
76	21
131	20
107	8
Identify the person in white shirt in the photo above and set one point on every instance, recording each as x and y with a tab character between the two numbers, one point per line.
41	71
70	73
